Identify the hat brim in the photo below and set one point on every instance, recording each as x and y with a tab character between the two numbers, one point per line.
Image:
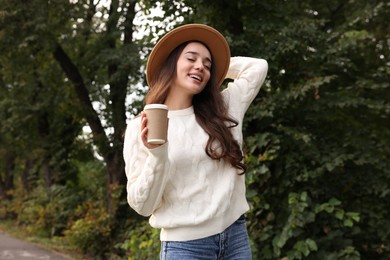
214	40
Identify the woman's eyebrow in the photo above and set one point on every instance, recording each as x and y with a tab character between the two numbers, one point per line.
196	53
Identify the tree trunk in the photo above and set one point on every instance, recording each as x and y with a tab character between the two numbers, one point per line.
7	183
118	80
28	165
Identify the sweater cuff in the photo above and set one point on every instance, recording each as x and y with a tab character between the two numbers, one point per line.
159	151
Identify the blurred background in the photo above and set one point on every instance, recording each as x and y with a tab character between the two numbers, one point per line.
317	137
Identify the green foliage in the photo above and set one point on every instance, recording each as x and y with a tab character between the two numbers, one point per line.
43	212
317	136
141	242
91	229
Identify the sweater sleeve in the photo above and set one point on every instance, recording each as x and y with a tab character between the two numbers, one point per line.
146	171
248	75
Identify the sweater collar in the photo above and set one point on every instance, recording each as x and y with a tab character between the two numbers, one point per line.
181	112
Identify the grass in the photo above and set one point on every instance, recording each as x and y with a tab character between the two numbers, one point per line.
56	244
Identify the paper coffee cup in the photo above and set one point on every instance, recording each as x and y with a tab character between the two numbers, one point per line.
157	115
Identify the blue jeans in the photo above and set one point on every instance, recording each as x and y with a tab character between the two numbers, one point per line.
232	243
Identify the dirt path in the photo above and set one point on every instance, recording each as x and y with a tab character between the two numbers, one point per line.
15	249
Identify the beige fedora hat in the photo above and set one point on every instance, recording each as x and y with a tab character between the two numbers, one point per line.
214	40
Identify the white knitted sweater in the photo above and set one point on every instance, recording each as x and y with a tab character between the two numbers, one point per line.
186	193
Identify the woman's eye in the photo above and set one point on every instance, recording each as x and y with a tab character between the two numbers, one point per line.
191	59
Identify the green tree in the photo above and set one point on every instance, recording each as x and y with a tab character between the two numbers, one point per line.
66	64
37	129
90	49
318	134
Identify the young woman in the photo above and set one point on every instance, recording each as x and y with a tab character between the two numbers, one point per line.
193	186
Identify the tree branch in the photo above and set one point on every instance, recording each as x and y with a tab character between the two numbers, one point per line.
91	115
118	74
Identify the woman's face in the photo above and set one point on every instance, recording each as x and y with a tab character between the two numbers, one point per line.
192	69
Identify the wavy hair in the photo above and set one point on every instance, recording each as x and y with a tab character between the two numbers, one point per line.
210	111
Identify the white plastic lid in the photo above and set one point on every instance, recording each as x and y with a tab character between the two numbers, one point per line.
160	106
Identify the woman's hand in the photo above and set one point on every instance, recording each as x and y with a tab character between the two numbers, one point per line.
144	132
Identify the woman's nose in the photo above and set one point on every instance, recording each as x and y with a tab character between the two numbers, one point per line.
199	65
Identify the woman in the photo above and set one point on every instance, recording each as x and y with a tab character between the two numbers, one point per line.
193	186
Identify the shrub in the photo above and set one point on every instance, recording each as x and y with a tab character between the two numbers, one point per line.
91	231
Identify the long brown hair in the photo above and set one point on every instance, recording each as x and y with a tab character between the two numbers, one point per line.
210	111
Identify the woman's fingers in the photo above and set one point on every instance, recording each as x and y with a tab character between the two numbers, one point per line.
144	129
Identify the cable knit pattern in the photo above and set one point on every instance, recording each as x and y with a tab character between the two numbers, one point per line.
187	194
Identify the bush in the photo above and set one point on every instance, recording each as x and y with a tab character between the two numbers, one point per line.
143	242
91	231
44	212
